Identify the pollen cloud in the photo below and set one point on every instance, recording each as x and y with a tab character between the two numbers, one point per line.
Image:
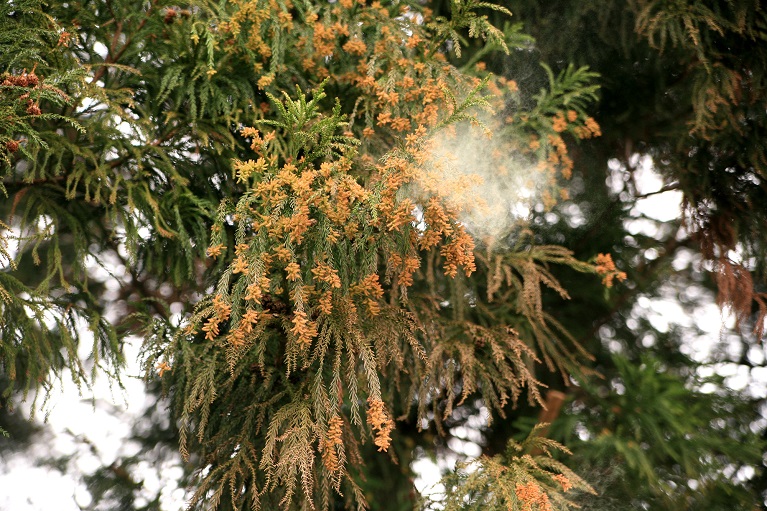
493	189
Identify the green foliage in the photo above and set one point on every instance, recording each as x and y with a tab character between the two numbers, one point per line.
40	317
572	89
526	476
32	73
463	16
696	71
290	202
658	427
365	350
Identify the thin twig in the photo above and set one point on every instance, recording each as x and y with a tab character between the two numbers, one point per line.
669	187
112	58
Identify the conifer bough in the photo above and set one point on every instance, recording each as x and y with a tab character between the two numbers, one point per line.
273	170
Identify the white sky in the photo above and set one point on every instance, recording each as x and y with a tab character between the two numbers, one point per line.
106	426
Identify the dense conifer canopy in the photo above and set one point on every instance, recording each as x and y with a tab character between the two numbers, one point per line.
344	230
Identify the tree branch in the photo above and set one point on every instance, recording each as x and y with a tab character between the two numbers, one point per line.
114	57
667	188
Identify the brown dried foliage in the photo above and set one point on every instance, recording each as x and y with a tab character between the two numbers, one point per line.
734	280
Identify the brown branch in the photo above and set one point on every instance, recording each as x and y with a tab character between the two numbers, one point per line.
155	143
17	186
549	413
113	57
669	187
